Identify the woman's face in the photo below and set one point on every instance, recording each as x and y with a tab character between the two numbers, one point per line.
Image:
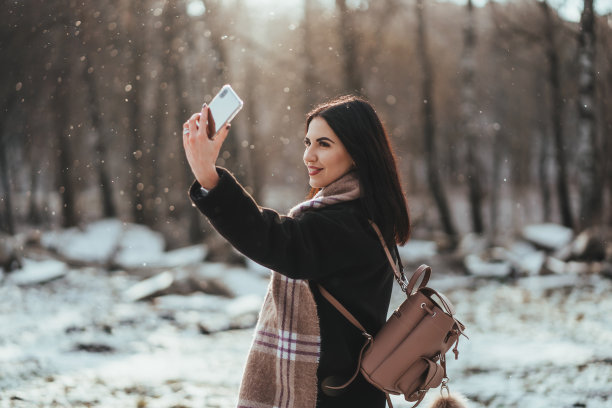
325	156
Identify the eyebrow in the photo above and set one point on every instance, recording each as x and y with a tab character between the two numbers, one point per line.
323	138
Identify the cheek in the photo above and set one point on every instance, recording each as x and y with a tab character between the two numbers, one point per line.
342	161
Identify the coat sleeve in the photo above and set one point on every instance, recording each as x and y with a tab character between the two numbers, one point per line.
316	245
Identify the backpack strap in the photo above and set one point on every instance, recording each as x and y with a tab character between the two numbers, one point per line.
401	279
335	303
399	273
355	323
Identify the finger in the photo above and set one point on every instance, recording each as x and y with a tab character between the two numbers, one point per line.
211	124
192	125
222	135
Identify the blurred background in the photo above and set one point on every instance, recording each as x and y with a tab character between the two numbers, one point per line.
500	112
115	291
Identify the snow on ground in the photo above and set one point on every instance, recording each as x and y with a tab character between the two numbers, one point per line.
78	340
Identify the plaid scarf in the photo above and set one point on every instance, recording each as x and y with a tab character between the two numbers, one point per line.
281	369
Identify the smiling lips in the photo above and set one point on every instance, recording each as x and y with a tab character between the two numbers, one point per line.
312	171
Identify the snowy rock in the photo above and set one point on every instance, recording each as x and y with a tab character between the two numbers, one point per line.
543	283
557	266
10	255
35	272
476	266
198	301
243	312
181	257
472	244
590	245
248	304
257	268
237	281
96	243
548	236
447	283
213	323
127	246
149	287
415	251
139	247
524	258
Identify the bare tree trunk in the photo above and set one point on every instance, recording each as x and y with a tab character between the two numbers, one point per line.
429	130
66	187
310	82
590	186
350	63
212	18
556	116
137	151
246	132
168	75
7	222
543	154
498	149
34	215
543	151
469	113
607	166
109	209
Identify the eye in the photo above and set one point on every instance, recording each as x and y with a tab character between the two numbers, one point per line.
324	144
306	142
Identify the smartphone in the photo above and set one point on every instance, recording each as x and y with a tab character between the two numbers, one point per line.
225	106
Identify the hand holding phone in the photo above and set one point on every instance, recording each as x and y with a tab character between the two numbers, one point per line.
223	108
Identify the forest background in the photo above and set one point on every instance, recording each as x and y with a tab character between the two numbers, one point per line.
500	114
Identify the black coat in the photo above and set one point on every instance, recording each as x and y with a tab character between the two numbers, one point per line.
333	246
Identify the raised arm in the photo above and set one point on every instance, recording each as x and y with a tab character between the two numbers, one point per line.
317	245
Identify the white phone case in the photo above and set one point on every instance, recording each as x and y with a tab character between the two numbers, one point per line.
225	106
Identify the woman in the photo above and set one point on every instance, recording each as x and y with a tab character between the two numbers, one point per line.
302	343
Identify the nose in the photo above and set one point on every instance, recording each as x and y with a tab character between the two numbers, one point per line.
309	155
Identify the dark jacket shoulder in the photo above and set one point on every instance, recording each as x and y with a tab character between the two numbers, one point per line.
315	245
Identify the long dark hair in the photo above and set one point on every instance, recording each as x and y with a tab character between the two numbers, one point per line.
357	125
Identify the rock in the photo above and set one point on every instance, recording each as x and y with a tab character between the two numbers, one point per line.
524	258
219	250
94	244
236	281
38	272
415	251
201	302
477	266
557	266
213	323
548	236
139	247
257	268
607	270
248	304
149	287
10	254
544	283
590	245
244	311
181	257
94	348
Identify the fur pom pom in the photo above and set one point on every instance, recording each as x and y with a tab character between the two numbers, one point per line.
451	401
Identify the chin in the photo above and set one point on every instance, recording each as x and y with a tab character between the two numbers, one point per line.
314	184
